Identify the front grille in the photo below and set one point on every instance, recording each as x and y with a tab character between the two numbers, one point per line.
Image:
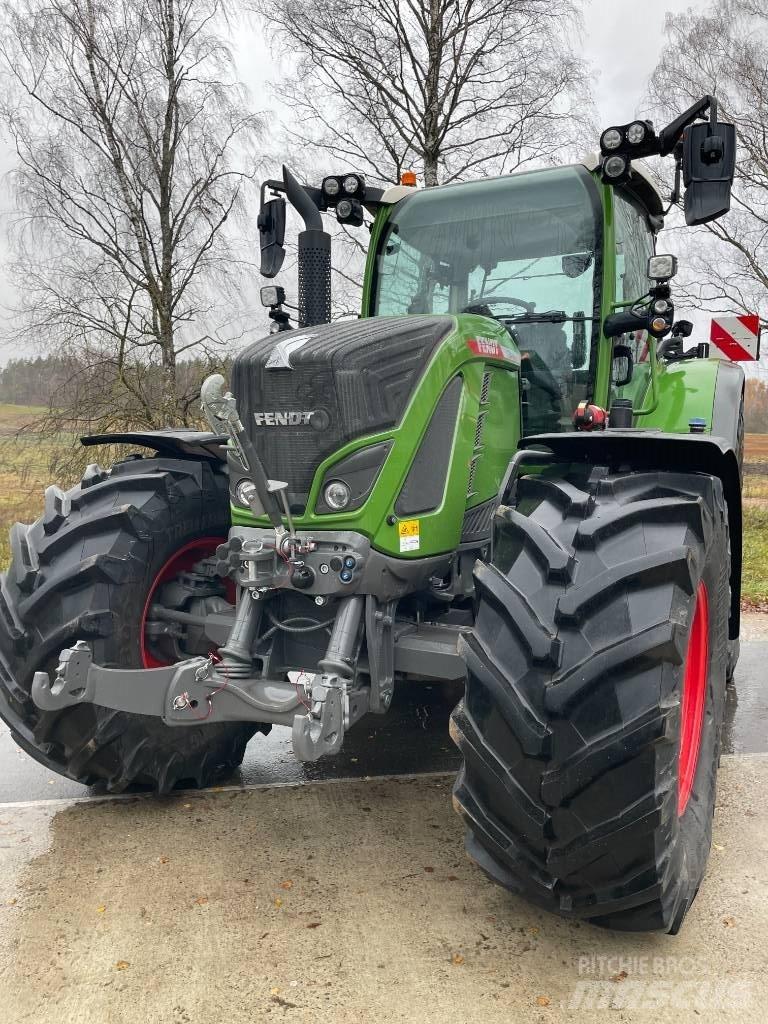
354	377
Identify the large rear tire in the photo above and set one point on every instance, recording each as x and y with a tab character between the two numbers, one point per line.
85	571
590	727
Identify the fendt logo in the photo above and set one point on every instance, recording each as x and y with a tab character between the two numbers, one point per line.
283	418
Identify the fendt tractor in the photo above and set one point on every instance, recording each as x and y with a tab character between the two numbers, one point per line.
512	469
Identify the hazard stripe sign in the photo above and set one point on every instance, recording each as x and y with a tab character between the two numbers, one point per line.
737	337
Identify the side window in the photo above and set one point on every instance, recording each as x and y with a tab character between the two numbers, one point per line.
634	244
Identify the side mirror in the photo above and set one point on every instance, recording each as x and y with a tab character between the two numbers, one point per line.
271	224
577	263
622	366
709	162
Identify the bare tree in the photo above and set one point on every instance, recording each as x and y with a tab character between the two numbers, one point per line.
131	135
451	88
724	50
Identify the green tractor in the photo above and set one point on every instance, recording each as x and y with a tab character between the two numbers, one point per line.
510	470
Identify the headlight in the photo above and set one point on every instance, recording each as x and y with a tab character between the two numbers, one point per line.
351	184
660	306
336	495
331	186
611	139
245	492
636	133
614	166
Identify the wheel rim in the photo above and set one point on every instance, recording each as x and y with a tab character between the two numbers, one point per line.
694	699
180	561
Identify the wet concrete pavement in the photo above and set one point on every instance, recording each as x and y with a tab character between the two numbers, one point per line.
412	738
346	902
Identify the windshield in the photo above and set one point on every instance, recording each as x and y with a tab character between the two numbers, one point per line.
522	249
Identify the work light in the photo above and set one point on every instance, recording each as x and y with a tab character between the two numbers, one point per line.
661	268
614	166
610	139
636	133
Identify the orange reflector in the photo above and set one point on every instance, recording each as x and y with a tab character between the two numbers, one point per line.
408	178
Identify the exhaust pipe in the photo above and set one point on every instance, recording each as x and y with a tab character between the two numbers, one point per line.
314	257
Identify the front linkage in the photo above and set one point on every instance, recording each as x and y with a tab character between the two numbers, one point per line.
234	684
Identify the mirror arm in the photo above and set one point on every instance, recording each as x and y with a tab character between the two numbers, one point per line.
673	133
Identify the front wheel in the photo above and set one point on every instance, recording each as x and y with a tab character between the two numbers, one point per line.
93	568
590	727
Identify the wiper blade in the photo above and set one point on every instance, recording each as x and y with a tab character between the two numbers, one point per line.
552	316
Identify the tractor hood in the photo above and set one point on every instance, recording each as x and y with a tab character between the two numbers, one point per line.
304	394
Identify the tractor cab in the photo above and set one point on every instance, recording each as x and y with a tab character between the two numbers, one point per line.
523	250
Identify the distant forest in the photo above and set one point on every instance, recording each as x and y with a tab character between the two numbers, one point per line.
51	380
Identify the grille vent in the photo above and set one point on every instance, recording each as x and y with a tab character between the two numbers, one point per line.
471	481
479	430
485	388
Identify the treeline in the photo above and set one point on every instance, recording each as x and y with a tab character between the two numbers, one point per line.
53	381
756	407
32	381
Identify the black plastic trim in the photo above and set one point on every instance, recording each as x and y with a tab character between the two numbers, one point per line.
180	444
425	484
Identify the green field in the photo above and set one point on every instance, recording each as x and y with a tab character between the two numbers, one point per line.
25	458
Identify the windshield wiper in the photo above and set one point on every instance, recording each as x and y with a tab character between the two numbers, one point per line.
552	316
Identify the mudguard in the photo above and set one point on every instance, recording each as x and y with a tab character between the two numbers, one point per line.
645	449
175	443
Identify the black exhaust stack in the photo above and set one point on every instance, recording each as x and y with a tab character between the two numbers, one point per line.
314	257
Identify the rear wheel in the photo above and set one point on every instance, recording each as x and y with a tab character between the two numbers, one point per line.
91	568
590	727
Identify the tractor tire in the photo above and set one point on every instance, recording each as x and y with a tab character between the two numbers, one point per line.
86	570
590	727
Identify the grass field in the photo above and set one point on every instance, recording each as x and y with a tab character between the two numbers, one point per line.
24	474
24	459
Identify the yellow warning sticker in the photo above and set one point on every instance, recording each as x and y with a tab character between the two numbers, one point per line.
409	534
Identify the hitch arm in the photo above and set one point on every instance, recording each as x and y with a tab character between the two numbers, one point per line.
186	693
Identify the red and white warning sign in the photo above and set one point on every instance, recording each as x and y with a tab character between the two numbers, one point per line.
737	337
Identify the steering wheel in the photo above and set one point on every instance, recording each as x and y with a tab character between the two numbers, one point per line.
495	300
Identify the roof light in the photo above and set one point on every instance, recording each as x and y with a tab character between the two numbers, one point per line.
611	139
636	133
614	166
408	178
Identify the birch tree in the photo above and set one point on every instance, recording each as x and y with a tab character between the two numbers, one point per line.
131	137
450	88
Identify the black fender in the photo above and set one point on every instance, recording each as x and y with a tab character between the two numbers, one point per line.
728	405
176	443
655	450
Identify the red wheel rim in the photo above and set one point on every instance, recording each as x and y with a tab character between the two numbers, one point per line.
181	561
694	699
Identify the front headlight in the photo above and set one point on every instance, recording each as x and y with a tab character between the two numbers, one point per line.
336	495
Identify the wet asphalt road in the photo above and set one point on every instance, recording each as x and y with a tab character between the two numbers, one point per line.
411	738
